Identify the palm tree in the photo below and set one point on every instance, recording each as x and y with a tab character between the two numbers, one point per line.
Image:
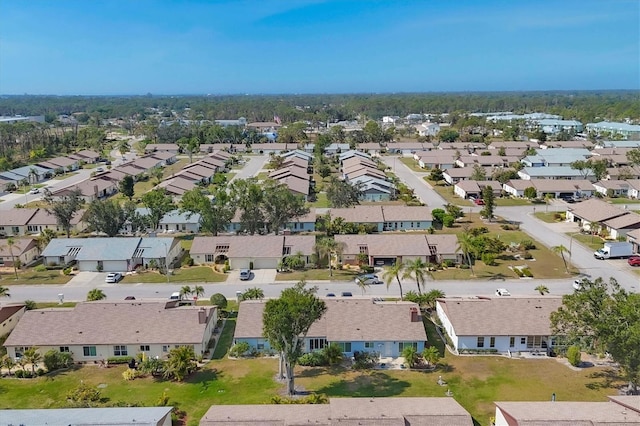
329	247
542	289
431	296
4	292
180	363
418	270
33	357
392	272
362	284
198	291
8	363
332	353
253	294
561	250
185	292
95	294
10	244
431	355
410	355
465	244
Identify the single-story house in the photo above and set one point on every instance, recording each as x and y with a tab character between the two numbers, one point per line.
202	173
556	157
485	161
178	185
64	163
618	410
87	155
593	211
360	215
406	218
387	249
623	173
374	189
90	190
146	163
634	188
619	188
95	331
306	223
512	144
444	159
618	227
297	186
165	158
172	148
348	411
371	148
34	173
355	325
473	188
500	324
251	251
42	220
290	170
566	144
633	237
268	148
336	148
557	188
457	174
428	129
173	221
14	222
114	416
352	153
10	315
555	172
24	250
111	254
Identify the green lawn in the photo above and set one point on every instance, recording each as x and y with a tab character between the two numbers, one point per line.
620	200
593	242
192	274
262	175
549	217
317	274
411	163
321	201
32	277
446	192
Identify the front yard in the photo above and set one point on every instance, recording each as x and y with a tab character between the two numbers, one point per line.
7	277
446	192
318	274
187	274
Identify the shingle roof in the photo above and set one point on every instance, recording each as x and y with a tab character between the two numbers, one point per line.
486	316
628	220
43	217
103	323
359	214
346	321
112	416
406	213
594	210
391	245
20	245
16	217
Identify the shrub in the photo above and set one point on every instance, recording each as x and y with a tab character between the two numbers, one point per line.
239	349
118	360
527	272
448	220
66	271
312	359
478	231
364	360
219	300
40	268
574	356
527	245
527	255
40	372
449	263
19	374
187	261
367	269
464	266
130	374
518	272
84	394
54	360
489	259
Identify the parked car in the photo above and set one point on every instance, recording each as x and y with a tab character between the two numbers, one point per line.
99	169
245	274
175	296
130	298
368	279
34	191
346	294
634	261
479	202
113	277
577	284
331	295
502	292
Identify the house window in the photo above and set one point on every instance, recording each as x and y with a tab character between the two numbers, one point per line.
363	249
15	230
512	342
222	248
534	342
89	350
165	348
286	250
492	342
1	261
344	346
144	348
209	258
523	340
260	345
412	224
315	344
403	345
369	345
120	350
64	349
480	342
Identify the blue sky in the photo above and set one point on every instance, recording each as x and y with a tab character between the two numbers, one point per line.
285	46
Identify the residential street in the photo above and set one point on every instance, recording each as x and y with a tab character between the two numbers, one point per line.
253	165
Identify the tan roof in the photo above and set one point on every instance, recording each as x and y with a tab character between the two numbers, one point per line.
594	210
16	217
103	323
561	185
146	162
357	159
406	213
296	184
468	185
634	183
87	153
201	170
62	161
391	245
415	411
257	246
366	171
359	214
300	243
129	169
612	184
351	320
295	160
460	172
487	160
86	187
292	170
513	144
572	413
437	156
625	221
312	216
160	155
485	316
43	217
114	175
162	147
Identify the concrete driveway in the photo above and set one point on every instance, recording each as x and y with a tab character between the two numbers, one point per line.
87	279
258	277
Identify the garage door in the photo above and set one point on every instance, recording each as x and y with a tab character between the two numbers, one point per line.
384	261
261	263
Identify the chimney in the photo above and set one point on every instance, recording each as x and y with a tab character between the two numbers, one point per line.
415	315
202	316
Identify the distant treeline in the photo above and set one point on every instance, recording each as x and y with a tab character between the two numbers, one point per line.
585	106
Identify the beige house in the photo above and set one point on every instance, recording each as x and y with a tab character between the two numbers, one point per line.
23	249
42	220
14	222
9	317
344	411
90	190
95	331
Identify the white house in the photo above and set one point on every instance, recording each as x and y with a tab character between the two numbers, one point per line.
498	324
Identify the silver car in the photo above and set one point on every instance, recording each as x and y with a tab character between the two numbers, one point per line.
113	277
368	279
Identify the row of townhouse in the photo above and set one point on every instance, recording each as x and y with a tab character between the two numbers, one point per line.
199	173
296	173
616	221
357	168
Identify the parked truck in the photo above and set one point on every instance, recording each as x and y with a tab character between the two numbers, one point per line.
614	250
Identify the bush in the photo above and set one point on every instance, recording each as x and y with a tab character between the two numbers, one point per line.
449	263
118	360
574	356
239	349
527	245
527	255
66	271
40	372
364	360
54	360
479	231
527	272
130	374
187	261
312	359
448	220
489	259
40	268
367	269
218	300
19	374
464	266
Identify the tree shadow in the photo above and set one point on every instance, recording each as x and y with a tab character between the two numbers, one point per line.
318	371
367	384
605	379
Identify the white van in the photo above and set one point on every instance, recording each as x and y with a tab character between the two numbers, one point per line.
175	296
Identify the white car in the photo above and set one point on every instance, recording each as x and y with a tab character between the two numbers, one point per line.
502	292
34	191
368	279
577	285
113	277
